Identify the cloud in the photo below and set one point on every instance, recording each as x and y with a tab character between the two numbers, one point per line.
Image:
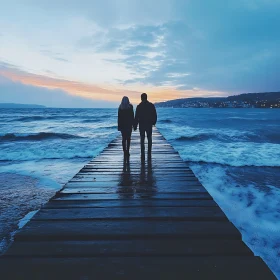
230	47
15	92
109	12
18	85
224	46
106	49
139	49
105	13
54	55
88	91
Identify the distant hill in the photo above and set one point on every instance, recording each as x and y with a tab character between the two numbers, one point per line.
245	100
15	105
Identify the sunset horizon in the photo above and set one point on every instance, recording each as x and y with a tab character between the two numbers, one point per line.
93	53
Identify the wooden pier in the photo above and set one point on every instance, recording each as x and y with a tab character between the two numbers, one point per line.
132	220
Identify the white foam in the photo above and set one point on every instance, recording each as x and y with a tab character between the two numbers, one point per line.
48	150
254	211
235	154
46	171
26	219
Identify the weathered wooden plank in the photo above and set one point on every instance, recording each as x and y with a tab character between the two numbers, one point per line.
139	166
60	204
125	179
116	177
132	172
110	176
133	189
138	247
135	213
163	185
156	152
122	229
230	267
120	167
155	196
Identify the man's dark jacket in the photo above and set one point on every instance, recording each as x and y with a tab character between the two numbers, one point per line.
146	115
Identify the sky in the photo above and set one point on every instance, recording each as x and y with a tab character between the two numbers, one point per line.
90	53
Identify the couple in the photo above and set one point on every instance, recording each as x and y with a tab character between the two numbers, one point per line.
145	116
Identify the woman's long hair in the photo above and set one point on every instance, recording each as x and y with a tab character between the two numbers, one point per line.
125	104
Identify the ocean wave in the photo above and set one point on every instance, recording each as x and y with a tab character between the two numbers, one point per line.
30	157
39	150
166	121
105	127
194	137
40	118
38	136
27	119
254	193
217	163
223	137
255	137
91	121
270	136
105	116
232	154
54	118
247	119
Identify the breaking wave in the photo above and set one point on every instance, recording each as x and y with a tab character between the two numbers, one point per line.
82	119
38	137
166	121
193	137
258	137
41	118
231	154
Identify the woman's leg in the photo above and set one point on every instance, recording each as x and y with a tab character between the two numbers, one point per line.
123	141
128	140
124	145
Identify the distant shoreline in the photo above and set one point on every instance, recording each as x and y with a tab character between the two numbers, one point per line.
246	100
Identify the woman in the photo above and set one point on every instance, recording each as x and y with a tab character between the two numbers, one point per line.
125	123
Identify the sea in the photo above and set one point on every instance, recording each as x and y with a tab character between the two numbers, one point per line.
235	153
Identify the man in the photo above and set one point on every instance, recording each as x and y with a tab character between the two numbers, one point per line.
146	117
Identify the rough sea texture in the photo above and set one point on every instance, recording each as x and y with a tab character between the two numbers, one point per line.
234	152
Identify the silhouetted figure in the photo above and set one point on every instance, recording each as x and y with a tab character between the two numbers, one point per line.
146	117
125	124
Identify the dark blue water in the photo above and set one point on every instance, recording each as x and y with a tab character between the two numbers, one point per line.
234	152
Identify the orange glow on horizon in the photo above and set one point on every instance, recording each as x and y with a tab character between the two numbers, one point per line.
97	92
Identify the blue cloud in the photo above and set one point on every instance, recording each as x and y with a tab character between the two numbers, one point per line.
225	46
218	45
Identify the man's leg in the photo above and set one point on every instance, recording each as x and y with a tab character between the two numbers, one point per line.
142	142
149	136
128	144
